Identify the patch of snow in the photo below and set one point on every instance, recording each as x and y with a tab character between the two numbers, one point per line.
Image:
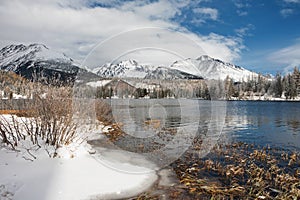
81	177
76	172
18	96
98	83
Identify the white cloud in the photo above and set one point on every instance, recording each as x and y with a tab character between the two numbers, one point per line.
288	56
163	10
242	13
76	26
198	22
292	1
244	31
209	13
229	49
164	46
242	7
286	12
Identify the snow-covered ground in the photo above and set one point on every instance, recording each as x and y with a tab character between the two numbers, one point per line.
98	83
265	97
79	172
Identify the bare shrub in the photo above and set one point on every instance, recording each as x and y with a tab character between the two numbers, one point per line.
104	115
103	112
7	133
53	115
49	119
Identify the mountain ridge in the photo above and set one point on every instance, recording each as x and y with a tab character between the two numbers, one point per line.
38	58
34	60
204	67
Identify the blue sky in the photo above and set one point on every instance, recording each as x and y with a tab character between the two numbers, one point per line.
260	35
264	26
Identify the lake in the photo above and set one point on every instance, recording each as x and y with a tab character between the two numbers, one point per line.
209	149
265	123
275	124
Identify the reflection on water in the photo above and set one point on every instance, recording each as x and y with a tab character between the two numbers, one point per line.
264	123
163	129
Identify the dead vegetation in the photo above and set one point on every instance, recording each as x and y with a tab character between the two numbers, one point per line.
235	171
19	113
242	171
104	112
46	112
105	116
47	118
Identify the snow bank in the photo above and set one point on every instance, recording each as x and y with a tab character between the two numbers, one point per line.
77	173
98	83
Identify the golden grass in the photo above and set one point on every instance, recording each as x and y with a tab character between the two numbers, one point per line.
19	113
235	171
153	123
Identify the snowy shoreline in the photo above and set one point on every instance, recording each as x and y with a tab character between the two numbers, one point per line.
76	174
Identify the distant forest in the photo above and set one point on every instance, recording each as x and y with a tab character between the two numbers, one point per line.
261	87
256	88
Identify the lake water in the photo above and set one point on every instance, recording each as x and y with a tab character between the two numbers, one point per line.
161	130
276	124
265	123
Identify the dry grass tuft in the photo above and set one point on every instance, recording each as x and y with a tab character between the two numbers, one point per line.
104	112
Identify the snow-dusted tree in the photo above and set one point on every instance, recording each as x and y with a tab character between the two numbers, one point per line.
277	86
296	77
229	88
290	87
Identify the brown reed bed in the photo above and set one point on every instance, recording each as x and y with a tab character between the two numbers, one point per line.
235	171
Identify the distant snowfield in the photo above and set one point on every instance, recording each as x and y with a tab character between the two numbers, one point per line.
98	83
67	178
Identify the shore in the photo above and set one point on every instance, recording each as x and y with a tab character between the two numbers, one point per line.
263	98
235	170
78	172
97	170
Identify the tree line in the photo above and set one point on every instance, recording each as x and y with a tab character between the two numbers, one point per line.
261	87
281	86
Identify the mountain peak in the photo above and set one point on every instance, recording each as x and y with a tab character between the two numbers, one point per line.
37	45
22	47
211	68
204	57
129	62
25	59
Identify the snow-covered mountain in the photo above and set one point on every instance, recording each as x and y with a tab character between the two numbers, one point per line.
128	68
210	68
202	67
132	69
28	60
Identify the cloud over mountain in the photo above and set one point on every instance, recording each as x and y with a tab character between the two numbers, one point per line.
75	27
